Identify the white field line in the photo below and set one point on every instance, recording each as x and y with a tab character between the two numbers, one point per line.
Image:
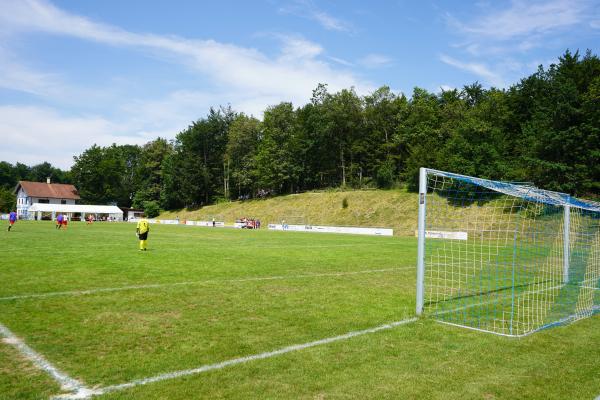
241	360
186	283
77	389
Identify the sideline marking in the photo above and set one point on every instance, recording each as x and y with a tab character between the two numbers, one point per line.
241	360
160	285
77	389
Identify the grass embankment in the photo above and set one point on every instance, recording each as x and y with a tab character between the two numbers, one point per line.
395	209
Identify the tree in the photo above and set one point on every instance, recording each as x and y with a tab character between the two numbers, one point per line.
150	171
195	172
40	172
106	174
559	144
8	200
279	150
344	115
243	139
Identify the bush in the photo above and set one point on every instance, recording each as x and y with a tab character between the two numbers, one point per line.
151	209
345	202
385	175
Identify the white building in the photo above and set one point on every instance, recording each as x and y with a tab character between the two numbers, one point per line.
30	193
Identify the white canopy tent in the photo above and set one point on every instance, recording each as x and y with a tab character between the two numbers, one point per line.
113	212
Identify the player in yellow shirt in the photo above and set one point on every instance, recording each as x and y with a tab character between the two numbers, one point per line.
143	227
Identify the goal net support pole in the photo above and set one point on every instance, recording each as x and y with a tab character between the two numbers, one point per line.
566	243
421	240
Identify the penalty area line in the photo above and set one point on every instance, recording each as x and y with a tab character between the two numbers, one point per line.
188	283
76	389
241	360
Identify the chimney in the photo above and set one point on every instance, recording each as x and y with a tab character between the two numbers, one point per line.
48	180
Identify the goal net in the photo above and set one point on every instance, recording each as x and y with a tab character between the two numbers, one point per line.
505	258
293	219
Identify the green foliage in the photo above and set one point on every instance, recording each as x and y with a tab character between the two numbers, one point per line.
276	160
385	175
8	200
345	202
544	129
107	174
194	173
10	174
151	209
240	162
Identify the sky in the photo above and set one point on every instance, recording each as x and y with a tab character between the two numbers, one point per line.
76	73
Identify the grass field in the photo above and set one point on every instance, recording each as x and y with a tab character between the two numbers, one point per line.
110	317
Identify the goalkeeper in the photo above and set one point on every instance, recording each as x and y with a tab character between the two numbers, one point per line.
142	232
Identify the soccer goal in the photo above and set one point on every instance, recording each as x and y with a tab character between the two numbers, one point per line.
505	258
294	219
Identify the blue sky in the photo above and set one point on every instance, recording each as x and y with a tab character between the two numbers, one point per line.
74	73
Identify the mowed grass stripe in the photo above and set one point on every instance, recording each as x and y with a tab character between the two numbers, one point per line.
250	306
83	292
201	253
254	357
124	336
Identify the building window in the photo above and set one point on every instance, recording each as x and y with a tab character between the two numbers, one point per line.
63	202
44	201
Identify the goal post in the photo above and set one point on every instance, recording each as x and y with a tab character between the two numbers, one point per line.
502	257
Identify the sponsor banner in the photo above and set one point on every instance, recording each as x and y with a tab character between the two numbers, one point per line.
210	224
333	229
168	221
444	235
220	224
279	227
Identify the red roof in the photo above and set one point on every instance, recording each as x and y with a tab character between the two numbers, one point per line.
49	190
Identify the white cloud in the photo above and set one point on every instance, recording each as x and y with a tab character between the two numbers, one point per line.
478	69
341	61
507	37
375	61
524	18
307	9
18	77
227	64
246	78
295	48
329	22
35	134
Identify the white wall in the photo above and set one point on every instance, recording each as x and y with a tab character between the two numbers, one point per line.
51	201
23	202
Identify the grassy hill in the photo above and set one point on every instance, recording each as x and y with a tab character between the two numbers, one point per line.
395	209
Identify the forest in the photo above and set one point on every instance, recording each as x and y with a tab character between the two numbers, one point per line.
545	129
